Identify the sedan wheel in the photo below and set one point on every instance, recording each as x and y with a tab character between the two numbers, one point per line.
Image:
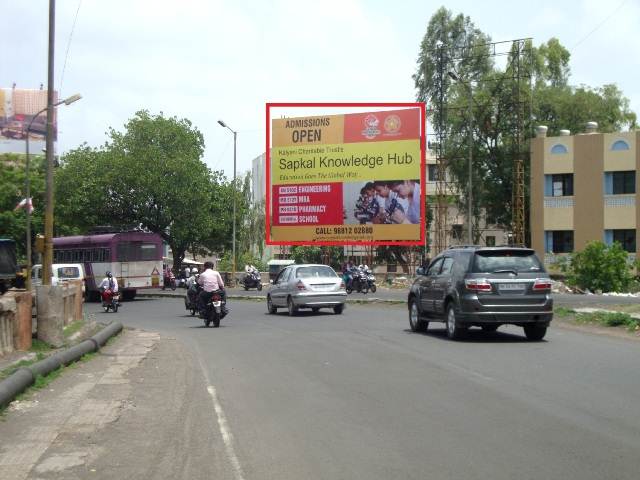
293	310
454	330
270	307
415	322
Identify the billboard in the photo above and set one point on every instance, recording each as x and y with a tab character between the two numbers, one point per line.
347	179
18	107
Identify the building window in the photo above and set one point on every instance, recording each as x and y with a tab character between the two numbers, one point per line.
559	241
619	145
623	182
560	185
626	239
433	173
559	149
491	241
456	231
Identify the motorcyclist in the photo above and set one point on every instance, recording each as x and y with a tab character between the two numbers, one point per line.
210	281
192	287
108	287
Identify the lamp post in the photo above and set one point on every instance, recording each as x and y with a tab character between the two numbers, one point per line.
233	247
66	101
470	141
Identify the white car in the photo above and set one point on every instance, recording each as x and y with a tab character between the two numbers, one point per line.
60	272
307	286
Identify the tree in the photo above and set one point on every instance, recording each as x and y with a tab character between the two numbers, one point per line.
455	44
152	176
13	222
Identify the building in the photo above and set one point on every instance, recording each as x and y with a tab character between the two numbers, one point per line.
583	188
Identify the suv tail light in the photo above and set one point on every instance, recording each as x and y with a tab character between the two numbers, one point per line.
300	285
477	284
542	284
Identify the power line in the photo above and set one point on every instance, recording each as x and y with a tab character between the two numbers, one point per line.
599	25
73	27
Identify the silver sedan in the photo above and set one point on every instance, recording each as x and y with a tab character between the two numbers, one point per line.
307	286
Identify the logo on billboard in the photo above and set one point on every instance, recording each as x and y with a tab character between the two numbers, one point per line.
392	124
371	124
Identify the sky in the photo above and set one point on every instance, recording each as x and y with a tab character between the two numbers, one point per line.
217	59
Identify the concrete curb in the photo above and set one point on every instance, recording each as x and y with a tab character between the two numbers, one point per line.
24	377
390	301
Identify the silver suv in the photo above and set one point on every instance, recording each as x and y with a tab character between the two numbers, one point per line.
484	287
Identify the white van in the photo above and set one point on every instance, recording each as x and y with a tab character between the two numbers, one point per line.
60	272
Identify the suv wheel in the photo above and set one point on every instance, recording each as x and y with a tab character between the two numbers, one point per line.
454	330
415	322
535	333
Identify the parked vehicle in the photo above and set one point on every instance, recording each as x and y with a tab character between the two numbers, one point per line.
359	281
485	287
252	280
60	273
276	266
134	258
8	264
215	309
307	286
110	300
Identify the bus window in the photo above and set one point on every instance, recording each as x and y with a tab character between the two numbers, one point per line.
126	252
148	251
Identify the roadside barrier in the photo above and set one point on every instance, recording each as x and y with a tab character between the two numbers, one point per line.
15	321
24	377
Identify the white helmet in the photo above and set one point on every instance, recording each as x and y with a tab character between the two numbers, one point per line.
194	270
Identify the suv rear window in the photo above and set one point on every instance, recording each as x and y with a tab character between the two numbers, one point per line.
490	261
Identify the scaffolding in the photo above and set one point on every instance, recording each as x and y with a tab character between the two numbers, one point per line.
518	53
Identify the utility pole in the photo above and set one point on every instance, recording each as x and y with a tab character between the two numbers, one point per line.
48	216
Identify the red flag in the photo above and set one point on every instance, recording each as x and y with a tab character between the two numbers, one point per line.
25	203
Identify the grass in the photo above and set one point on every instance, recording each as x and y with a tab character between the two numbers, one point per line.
40	346
72	328
564	312
609	319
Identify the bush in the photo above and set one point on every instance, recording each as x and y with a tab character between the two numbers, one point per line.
225	264
600	267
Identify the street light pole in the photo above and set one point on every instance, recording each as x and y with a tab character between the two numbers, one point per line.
470	154
66	101
233	246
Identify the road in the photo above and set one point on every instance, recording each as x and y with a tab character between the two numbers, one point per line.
400	294
358	396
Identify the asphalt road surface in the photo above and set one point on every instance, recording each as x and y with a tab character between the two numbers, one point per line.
358	396
400	294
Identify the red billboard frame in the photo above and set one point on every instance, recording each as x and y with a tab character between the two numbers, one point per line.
423	190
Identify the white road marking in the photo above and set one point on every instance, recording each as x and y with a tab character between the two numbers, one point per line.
227	436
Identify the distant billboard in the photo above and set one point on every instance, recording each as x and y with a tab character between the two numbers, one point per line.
349	179
18	108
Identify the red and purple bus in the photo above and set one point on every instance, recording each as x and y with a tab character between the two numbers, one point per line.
134	258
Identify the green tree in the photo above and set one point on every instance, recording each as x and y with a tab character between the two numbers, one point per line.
455	44
151	176
13	222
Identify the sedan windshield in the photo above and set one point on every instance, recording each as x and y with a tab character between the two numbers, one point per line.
315	271
495	261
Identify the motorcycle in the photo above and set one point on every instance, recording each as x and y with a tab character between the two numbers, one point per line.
371	281
358	283
252	280
169	281
215	309
110	300
191	298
